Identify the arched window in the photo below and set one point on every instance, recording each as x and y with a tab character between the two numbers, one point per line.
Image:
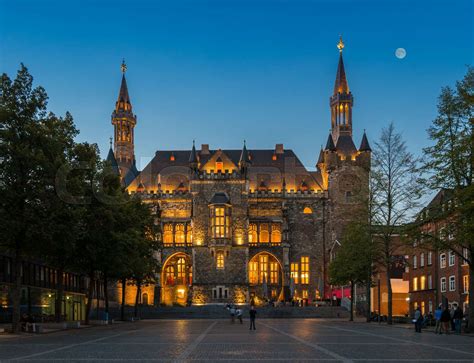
168	234
253	236
179	236
181	267
145	298
307	210
276	233
264	267
264	233
169	275
189	234
220	260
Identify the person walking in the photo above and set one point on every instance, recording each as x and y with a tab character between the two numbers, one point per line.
232	314
253	314
458	316
451	312
418	320
437	316
445	319
239	315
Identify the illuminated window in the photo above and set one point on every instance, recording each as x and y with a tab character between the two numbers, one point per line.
181	267
442	260
264	234
220	260
304	294
415	283
263	264
294	272
423	307
253	272
276	233
169	275
168	234
253	236
465	283
274	272
220	222
307	210
189	234
190	275
422	282
305	270
179	236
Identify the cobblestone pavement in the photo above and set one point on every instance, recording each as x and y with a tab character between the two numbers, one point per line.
294	340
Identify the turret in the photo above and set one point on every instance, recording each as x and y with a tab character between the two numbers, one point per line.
244	160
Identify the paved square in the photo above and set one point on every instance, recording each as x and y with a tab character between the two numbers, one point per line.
292	340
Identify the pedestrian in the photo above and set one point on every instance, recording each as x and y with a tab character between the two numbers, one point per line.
445	319
239	315
438	313
458	316
253	314
451	312
232	314
418	318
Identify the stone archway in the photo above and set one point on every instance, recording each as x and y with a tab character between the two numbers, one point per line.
176	279
265	276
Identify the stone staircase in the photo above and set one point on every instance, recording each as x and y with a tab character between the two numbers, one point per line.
220	312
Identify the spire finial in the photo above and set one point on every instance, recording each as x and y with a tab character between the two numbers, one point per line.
123	67
340	45
244	142
193	142
110	141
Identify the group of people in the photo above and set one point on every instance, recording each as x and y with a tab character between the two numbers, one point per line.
237	312
447	319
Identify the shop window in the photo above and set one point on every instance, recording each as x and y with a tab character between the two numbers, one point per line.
305	270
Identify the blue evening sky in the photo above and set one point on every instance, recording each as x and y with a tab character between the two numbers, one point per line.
223	71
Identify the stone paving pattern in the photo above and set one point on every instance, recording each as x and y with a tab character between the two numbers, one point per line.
295	340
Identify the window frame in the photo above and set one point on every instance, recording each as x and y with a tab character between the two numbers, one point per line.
220	215
442	260
451	258
452	283
442	284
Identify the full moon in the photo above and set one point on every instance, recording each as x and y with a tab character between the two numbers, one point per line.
400	53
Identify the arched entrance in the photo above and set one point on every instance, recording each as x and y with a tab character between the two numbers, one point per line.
176	279
265	278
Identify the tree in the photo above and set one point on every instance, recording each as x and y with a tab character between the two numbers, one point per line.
354	259
33	143
449	164
395	196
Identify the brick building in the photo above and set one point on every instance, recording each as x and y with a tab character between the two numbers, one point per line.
247	224
437	276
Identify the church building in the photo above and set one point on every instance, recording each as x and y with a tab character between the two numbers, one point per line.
246	225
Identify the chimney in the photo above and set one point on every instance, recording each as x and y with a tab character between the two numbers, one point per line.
279	149
204	149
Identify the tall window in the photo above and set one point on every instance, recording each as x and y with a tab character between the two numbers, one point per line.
452	283
294	272
430	282
305	270
181	267
465	283
179	236
422	282
414	262
276	233
263	262
253	236
442	283
422	259
430	258
415	284
220	260
189	234
465	255
169	275
253	272
168	234
423	308
264	234
220	222
274	272
452	258
442	260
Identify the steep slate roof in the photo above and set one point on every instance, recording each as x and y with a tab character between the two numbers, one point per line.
220	198
123	94
131	175
113	162
330	144
341	85
364	144
345	145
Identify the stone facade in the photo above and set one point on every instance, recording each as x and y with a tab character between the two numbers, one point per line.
251	225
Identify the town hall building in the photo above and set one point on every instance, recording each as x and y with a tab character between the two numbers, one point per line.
247	225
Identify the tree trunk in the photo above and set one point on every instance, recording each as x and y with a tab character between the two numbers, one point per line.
122	307
137	299
59	296
16	294
368	297
389	296
106	295
352	301
90	295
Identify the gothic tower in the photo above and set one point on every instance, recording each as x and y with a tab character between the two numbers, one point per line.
124	122
341	101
